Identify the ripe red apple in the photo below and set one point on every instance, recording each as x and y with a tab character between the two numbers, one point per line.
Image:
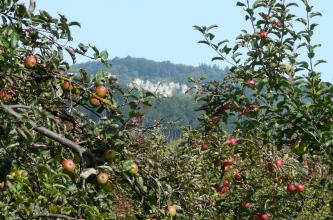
67	86
231	140
291	188
238	176
204	146
68	165
228	168
263	35
229	161
245	110
278	163
215	118
134	169
223	191
30	61
246	205
94	102
172	210
102	178
226	182
300	188
101	91
264	216
250	82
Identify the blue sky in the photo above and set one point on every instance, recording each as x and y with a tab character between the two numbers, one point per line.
162	30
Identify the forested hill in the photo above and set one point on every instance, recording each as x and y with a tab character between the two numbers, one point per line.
127	69
172	106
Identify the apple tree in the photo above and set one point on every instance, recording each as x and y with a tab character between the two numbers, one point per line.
67	150
268	125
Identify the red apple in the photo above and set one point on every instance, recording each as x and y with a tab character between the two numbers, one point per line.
263	35
231	140
204	146
250	82
225	106
226	182
67	86
245	110
101	91
94	102
102	178
215	118
68	165
227	168
264	216
291	188
223	191
278	163
30	61
246	205
238	176
300	188
229	161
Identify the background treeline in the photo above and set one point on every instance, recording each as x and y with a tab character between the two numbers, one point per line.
173	112
127	69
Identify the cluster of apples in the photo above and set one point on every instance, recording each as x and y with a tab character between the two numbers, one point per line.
7	94
103	177
290	187
226	106
100	91
227	166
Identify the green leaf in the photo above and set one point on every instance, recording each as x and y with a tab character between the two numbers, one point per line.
74	23
311	55
104	55
217	58
319	62
314	14
203	42
14	40
211	27
240	4
302	20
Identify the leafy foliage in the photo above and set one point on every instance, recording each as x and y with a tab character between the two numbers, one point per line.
274	162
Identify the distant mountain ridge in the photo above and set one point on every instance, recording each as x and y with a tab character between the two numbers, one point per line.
165	79
128	69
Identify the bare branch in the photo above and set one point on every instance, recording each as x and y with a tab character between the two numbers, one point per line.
50	134
47	216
